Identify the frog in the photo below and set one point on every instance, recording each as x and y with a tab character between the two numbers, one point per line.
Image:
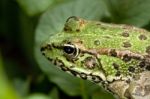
114	56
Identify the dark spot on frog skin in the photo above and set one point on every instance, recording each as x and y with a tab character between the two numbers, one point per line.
131	69
126	44
96	79
74	73
76	59
69	59
116	66
107	37
126	58
118	73
142	64
43	54
125	34
83	75
64	68
128	81
42	49
148	49
148	67
113	52
56	46
96	42
77	30
98	23
49	47
66	41
81	55
103	28
136	57
66	28
79	41
50	59
136	77
142	37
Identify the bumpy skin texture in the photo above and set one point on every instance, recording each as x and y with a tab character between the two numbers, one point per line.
114	56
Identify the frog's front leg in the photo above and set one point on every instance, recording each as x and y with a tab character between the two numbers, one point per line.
119	88
140	86
137	88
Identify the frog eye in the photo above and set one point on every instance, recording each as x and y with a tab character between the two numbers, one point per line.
70	50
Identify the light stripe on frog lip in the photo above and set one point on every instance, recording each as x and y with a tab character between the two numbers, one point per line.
91	77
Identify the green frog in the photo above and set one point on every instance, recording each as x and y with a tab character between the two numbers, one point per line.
116	57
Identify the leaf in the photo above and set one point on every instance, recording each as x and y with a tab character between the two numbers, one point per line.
100	94
38	96
34	7
52	22
135	12
22	86
7	91
54	93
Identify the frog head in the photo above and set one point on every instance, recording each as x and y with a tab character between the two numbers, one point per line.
69	50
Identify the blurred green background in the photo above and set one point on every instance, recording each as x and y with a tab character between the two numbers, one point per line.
25	24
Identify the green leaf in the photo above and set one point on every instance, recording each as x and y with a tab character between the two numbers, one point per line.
54	93
52	22
38	96
7	91
22	86
135	12
100	94
34	7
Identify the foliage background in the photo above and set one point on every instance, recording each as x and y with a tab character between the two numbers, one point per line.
25	24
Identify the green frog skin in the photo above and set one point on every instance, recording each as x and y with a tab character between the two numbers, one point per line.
116	57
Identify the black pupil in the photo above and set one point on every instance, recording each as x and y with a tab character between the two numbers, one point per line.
69	49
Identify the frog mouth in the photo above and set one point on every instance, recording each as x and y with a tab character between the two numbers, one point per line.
78	73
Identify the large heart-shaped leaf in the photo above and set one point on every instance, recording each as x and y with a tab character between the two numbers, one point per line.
34	7
135	12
